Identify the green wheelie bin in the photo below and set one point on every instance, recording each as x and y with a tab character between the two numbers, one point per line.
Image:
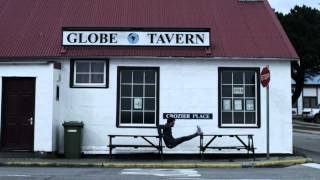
72	139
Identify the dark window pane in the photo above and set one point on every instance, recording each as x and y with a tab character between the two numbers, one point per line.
150	77
149	118
150	91
125	103
226	118
313	102
250	91
149	104
310	102
126	76
250	118
137	118
306	102
237	77
138	77
82	66
226	77
238	91
125	117
82	78
226	91
238	118
137	91
250	77
126	90
97	67
97	78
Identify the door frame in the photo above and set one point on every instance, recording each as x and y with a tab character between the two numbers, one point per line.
2	115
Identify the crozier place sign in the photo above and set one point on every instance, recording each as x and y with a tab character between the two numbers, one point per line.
187	115
151	37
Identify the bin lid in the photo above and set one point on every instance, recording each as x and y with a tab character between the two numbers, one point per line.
72	123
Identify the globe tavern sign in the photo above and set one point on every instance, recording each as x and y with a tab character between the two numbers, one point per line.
146	37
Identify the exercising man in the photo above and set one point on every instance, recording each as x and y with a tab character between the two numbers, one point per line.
172	142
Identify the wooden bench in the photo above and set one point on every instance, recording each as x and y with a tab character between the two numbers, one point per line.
249	146
146	138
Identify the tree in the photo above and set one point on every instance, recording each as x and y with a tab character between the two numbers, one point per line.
302	25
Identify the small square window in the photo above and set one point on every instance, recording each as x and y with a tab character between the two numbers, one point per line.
89	73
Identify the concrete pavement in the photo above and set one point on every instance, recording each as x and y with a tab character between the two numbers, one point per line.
293	173
282	161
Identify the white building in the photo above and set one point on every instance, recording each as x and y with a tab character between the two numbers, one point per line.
309	97
119	66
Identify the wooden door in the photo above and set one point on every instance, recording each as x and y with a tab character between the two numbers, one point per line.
18	102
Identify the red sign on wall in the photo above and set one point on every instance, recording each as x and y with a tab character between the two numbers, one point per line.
265	76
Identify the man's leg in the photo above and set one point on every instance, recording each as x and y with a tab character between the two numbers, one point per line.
182	139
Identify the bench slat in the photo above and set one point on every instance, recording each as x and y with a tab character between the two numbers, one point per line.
234	147
125	145
221	135
133	136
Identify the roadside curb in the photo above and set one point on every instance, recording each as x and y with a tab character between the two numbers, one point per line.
306	131
271	163
283	163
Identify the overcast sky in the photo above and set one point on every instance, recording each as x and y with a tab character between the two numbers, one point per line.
285	5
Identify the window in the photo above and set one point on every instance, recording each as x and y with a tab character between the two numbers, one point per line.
138	97
89	73
239	97
310	102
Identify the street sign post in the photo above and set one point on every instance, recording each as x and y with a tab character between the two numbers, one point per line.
265	79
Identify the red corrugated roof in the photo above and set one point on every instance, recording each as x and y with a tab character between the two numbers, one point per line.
238	29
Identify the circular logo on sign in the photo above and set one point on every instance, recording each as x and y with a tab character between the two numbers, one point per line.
133	38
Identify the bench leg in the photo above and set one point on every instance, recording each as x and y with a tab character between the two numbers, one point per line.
110	153
160	148
254	156
161	154
110	148
202	153
201	149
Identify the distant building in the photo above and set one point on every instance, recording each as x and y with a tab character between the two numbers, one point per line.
310	95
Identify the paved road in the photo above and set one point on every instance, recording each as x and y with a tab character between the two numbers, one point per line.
295	172
306	138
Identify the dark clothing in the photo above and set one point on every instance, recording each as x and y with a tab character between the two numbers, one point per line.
169	140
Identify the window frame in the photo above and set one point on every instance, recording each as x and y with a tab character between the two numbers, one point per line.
258	97
309	100
73	72
133	68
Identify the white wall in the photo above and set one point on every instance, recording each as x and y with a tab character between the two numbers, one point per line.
43	99
56	110
188	86
309	91
318	94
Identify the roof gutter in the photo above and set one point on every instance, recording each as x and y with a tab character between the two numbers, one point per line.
26	62
39	59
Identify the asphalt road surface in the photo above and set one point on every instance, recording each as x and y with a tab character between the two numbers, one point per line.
294	172
307	144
